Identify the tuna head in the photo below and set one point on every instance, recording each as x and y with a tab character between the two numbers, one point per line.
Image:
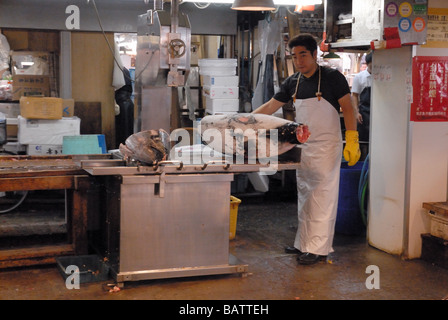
147	147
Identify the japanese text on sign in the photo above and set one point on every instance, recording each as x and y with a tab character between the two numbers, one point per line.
430	82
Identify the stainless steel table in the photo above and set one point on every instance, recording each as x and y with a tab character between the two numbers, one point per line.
168	220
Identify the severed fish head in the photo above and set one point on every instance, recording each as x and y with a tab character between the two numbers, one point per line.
147	147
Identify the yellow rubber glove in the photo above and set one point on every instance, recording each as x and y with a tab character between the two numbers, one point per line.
351	150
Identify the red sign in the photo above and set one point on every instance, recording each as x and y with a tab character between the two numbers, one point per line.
430	89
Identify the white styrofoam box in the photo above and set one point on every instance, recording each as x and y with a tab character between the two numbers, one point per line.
217	67
10	109
217	62
215	92
209	112
221	105
217	71
223	81
439	226
14	147
43	149
43	131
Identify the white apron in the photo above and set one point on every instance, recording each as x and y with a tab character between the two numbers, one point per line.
318	176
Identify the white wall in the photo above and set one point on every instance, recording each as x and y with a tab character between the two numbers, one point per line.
408	160
428	170
388	150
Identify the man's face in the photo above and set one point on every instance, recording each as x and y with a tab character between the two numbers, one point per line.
304	61
369	67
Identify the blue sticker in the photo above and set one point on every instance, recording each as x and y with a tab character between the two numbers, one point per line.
404	24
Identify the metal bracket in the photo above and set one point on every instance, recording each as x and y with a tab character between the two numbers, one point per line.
225	167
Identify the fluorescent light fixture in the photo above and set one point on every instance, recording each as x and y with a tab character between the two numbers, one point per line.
253	5
212	1
276	2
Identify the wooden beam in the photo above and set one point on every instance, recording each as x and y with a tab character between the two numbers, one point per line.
37	183
33	255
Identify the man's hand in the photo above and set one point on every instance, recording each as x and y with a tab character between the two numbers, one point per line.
351	150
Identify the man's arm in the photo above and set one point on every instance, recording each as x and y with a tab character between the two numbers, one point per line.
351	150
349	112
269	107
355	103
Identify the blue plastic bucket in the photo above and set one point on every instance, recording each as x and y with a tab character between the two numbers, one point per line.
349	220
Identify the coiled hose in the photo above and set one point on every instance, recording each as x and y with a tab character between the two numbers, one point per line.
362	189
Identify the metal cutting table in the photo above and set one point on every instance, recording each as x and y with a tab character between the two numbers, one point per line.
168	220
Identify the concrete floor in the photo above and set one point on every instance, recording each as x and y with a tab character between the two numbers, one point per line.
264	227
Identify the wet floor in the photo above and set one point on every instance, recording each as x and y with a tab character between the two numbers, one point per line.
264	227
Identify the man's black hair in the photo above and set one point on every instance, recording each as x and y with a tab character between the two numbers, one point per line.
369	58
305	40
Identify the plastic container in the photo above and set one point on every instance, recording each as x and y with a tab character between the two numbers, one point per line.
439	226
84	144
349	220
234	203
91	267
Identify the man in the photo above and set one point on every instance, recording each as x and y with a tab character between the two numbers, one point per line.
318	97
124	121
361	98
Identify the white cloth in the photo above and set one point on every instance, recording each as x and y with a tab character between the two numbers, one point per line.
4	53
118	79
318	176
361	81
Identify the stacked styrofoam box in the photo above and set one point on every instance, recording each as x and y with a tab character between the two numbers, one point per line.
219	85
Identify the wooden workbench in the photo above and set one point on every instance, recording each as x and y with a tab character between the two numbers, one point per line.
19	173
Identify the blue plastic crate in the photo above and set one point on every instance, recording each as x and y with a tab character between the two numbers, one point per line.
84	144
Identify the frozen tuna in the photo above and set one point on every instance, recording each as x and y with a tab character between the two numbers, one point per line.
255	136
147	147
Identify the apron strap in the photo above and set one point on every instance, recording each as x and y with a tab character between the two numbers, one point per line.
318	93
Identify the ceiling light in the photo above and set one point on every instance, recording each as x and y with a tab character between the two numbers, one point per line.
276	2
210	1
253	5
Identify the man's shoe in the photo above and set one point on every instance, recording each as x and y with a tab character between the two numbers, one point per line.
310	258
292	250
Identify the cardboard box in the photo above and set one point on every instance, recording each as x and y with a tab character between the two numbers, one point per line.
68	107
17	39
41	107
26	85
38	131
12	128
43	149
